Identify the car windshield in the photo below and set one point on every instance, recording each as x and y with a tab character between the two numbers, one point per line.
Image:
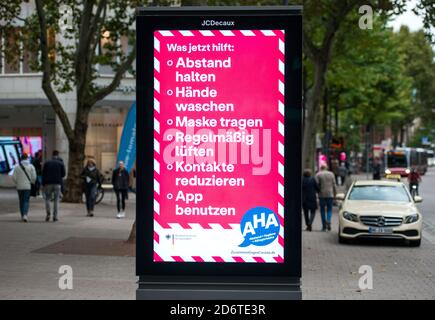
379	193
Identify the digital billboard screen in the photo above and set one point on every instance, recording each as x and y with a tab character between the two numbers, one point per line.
219	121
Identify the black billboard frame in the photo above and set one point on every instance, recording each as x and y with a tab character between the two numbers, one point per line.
194	280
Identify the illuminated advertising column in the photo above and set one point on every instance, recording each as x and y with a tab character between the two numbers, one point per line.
219	143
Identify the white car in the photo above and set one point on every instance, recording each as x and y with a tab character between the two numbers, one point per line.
378	208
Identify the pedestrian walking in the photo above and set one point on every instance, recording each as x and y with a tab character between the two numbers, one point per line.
309	198
377	170
92	179
53	173
121	182
327	191
335	167
37	163
24	176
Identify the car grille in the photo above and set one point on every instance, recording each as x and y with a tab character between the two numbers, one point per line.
381	221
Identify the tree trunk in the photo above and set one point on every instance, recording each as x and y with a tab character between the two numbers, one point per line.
312	104
76	157
132	236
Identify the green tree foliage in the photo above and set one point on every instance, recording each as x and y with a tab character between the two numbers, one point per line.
426	8
380	78
419	64
323	19
368	79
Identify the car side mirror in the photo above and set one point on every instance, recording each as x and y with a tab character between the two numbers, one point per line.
340	196
418	199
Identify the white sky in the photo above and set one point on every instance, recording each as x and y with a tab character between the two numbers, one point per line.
408	18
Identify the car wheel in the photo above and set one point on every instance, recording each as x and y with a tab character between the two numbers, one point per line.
415	243
342	240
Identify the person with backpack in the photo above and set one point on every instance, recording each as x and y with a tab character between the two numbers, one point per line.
92	179
24	177
53	173
37	163
121	182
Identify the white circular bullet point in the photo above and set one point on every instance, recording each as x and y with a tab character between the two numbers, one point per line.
169	196
170	62
170	122
169	92
169	137
169	166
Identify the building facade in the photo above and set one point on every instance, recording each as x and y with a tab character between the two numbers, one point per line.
26	112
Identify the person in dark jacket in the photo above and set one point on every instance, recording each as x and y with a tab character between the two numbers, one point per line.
121	182
377	169
92	179
37	163
53	173
309	198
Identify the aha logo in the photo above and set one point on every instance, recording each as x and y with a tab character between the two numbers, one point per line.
259	226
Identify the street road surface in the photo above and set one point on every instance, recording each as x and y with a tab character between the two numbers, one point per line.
427	207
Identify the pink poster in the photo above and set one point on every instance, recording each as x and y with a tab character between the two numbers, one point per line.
219	146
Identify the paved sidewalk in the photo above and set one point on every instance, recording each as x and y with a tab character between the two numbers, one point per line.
28	275
330	270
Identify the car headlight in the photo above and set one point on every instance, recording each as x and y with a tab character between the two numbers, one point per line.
407	171
350	216
411	218
387	171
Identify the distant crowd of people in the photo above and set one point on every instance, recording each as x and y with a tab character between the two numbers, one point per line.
33	178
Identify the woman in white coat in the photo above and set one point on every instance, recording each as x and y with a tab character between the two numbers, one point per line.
24	176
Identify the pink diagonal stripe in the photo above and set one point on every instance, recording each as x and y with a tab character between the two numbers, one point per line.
279	259
259	259
225	226
205	225
185	225
157	257
281	241
177	258
238	259
164	225
197	259
156	237
218	259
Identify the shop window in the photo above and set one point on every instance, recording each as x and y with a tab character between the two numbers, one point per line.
51	43
11	60
12	63
3	162
30	55
1	52
127	48
105	49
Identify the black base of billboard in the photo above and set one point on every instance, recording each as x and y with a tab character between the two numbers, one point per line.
216	289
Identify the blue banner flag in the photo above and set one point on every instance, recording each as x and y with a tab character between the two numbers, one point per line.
127	146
